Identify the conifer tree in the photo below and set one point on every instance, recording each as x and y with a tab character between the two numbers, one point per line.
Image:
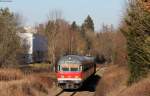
138	44
74	26
88	24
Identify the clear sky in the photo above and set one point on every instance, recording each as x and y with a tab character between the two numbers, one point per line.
36	11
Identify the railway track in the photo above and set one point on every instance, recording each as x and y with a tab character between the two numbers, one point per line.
75	93
58	94
66	93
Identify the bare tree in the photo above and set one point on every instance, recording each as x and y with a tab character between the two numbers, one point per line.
51	32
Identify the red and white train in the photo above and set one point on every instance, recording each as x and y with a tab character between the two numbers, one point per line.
73	70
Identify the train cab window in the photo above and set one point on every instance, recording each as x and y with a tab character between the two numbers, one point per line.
65	69
73	69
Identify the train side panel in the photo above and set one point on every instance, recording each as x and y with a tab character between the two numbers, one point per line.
88	73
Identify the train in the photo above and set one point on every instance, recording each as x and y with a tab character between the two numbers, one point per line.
73	70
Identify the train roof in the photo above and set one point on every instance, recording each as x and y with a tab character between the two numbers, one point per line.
76	59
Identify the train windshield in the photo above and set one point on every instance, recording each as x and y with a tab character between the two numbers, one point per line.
74	69
65	69
68	68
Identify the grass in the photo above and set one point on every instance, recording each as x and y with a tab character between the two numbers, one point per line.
10	74
114	83
37	68
114	79
141	88
40	65
14	83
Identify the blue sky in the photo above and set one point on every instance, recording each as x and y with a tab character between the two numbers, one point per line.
36	11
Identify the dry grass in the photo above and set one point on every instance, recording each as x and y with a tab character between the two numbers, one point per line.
141	88
114	83
10	74
15	83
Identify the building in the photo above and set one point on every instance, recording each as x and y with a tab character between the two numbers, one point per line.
34	46
40	48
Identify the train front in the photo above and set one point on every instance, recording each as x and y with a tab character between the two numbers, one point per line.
68	73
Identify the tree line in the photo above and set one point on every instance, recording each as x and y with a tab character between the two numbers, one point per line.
65	38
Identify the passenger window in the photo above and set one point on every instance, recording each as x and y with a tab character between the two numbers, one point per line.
85	67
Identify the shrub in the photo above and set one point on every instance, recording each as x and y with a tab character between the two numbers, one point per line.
14	83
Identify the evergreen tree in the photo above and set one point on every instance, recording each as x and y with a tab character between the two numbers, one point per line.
138	43
88	24
74	26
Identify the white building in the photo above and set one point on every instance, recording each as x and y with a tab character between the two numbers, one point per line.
35	45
